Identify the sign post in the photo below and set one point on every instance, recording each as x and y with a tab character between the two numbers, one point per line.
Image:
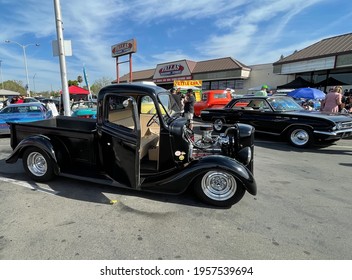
120	49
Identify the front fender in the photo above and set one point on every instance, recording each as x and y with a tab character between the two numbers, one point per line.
181	180
39	141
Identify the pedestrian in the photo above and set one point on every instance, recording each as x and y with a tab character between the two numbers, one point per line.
189	106
332	100
262	92
177	97
182	97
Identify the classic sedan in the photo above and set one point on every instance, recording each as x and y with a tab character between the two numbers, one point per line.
282	116
22	112
84	109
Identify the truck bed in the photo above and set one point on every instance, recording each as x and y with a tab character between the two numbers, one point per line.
73	137
61	125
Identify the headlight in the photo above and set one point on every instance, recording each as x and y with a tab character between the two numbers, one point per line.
338	126
245	155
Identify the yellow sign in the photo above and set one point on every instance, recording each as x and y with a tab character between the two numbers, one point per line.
188	83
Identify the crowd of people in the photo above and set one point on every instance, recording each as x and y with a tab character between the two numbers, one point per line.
185	102
336	100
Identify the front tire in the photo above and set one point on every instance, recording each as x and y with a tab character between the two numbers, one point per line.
38	165
219	188
300	137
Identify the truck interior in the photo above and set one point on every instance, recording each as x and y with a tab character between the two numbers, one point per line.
150	131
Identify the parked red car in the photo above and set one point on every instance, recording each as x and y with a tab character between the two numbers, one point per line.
212	99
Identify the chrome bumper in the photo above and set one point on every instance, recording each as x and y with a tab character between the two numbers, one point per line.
338	133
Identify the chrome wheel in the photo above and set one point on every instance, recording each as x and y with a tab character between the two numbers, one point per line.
37	164
300	137
218	125
218	185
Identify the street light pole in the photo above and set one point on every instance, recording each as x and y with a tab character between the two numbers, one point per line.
34	82
25	61
2	82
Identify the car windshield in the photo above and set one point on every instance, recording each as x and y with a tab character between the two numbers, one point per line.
169	106
281	103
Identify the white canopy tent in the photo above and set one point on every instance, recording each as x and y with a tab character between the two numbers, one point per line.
5	92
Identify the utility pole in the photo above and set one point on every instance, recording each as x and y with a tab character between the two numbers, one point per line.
60	41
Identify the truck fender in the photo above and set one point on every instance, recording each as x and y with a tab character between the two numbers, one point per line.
230	165
40	141
186	176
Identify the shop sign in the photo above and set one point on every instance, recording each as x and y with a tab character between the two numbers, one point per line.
188	83
170	79
172	70
123	48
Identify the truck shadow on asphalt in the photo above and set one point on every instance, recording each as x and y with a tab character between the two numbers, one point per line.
90	192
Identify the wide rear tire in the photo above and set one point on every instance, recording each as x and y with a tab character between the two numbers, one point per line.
219	188
38	165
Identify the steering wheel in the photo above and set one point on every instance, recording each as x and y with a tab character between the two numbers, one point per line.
153	119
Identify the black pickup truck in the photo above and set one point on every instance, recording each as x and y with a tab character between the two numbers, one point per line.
139	141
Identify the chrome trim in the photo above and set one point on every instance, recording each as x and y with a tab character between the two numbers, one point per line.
333	133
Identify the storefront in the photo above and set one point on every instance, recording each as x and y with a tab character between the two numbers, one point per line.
219	73
324	64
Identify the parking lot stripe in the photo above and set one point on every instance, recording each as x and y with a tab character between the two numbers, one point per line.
32	186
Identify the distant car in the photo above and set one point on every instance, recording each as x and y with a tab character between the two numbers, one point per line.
56	101
282	116
22	112
30	99
84	109
212	99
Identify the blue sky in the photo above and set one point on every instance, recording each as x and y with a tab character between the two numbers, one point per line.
251	31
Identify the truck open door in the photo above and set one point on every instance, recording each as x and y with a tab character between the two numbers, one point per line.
121	135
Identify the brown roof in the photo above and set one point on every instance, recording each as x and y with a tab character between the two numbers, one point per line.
331	46
138	75
221	64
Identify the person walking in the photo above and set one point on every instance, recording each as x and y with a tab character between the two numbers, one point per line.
332	100
189	107
262	92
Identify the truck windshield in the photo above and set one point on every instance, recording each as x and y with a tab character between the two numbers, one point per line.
169	105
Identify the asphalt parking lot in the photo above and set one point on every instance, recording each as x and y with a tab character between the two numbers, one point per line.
302	211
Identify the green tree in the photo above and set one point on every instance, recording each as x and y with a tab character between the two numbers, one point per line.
72	83
100	83
16	86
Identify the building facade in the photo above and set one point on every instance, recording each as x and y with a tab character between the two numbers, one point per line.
323	64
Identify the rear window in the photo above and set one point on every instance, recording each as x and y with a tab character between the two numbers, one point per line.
220	95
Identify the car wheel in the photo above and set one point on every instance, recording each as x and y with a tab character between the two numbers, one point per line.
300	137
219	125
38	165
219	188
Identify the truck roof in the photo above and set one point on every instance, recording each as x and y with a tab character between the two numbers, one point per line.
134	87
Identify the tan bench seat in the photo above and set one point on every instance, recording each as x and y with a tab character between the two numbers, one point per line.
147	142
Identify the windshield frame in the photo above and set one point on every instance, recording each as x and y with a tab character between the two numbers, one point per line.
169	106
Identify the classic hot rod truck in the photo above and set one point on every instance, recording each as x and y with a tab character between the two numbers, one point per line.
139	141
